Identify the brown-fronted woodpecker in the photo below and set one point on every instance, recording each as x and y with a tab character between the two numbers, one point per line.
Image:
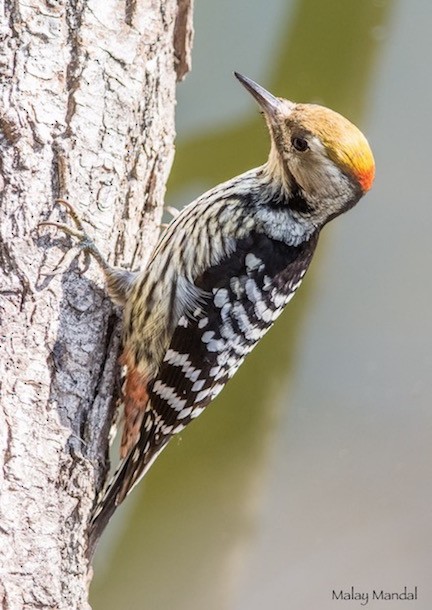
221	274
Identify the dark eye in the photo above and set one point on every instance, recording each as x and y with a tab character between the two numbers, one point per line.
300	144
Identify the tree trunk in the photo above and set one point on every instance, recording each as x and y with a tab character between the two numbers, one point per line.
87	114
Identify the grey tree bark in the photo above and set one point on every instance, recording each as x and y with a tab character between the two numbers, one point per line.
86	112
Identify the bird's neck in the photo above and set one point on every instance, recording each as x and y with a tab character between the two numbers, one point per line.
281	210
277	175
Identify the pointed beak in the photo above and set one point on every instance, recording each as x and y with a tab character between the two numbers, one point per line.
268	102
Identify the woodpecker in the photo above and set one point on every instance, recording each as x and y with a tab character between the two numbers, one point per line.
221	274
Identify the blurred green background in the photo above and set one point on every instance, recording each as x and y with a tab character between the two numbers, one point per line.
312	471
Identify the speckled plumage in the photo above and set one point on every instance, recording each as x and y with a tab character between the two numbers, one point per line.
222	273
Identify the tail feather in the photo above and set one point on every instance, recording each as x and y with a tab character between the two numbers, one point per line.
141	443
128	474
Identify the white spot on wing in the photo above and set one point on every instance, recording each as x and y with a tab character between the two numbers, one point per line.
227	332
197	386
221	297
236	287
225	312
178	428
289	297
267	283
197	411
216	345
185	412
252	262
222	358
216	389
207	336
174	358
279	299
253	294
254	334
294	286
220	374
169	395
276	313
202	395
203	322
182	360
263	312
168	429
241	317
192	373
148	423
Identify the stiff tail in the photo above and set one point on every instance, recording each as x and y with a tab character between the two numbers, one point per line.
136	450
128	474
104	510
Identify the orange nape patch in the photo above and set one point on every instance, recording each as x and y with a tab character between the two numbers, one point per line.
135	399
344	142
352	152
366	178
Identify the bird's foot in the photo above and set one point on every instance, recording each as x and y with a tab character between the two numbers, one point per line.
85	242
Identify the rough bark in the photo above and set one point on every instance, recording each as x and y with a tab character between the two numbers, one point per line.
86	112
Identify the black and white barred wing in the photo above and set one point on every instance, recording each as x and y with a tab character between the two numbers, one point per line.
245	293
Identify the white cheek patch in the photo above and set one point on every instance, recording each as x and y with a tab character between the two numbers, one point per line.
319	176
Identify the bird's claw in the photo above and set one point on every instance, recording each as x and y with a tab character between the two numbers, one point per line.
72	213
80	235
79	232
85	242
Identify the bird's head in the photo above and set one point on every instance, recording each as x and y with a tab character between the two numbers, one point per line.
318	158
